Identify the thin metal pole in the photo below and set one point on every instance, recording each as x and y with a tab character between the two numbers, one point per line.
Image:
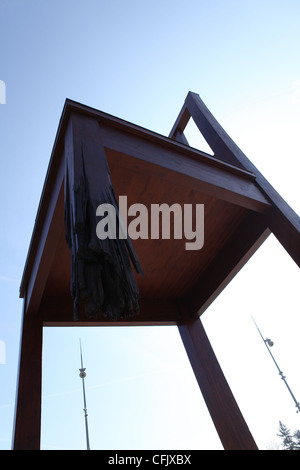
82	375
267	342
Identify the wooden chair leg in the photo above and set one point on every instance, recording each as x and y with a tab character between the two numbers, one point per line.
225	413
27	425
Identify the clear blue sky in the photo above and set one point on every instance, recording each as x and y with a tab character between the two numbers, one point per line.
137	60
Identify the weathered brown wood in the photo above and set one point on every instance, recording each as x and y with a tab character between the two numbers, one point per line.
27	424
101	272
225	413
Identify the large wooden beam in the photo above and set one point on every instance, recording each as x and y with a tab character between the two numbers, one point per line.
283	221
225	413
201	173
43	247
58	311
27	424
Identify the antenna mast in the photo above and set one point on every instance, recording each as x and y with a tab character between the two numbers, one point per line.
82	375
269	344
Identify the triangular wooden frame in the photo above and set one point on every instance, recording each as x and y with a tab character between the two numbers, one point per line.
283	221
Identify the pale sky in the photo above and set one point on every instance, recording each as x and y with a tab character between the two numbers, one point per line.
137	60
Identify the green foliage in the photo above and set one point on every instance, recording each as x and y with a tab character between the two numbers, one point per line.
290	441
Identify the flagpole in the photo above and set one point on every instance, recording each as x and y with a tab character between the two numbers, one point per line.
82	375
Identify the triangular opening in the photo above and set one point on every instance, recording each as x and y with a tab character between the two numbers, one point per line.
195	138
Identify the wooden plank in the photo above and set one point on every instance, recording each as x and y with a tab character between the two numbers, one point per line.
225	413
134	130
180	137
283	221
243	196
55	167
58	311
27	422
225	183
136	145
181	122
43	249
237	251
102	272
223	146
